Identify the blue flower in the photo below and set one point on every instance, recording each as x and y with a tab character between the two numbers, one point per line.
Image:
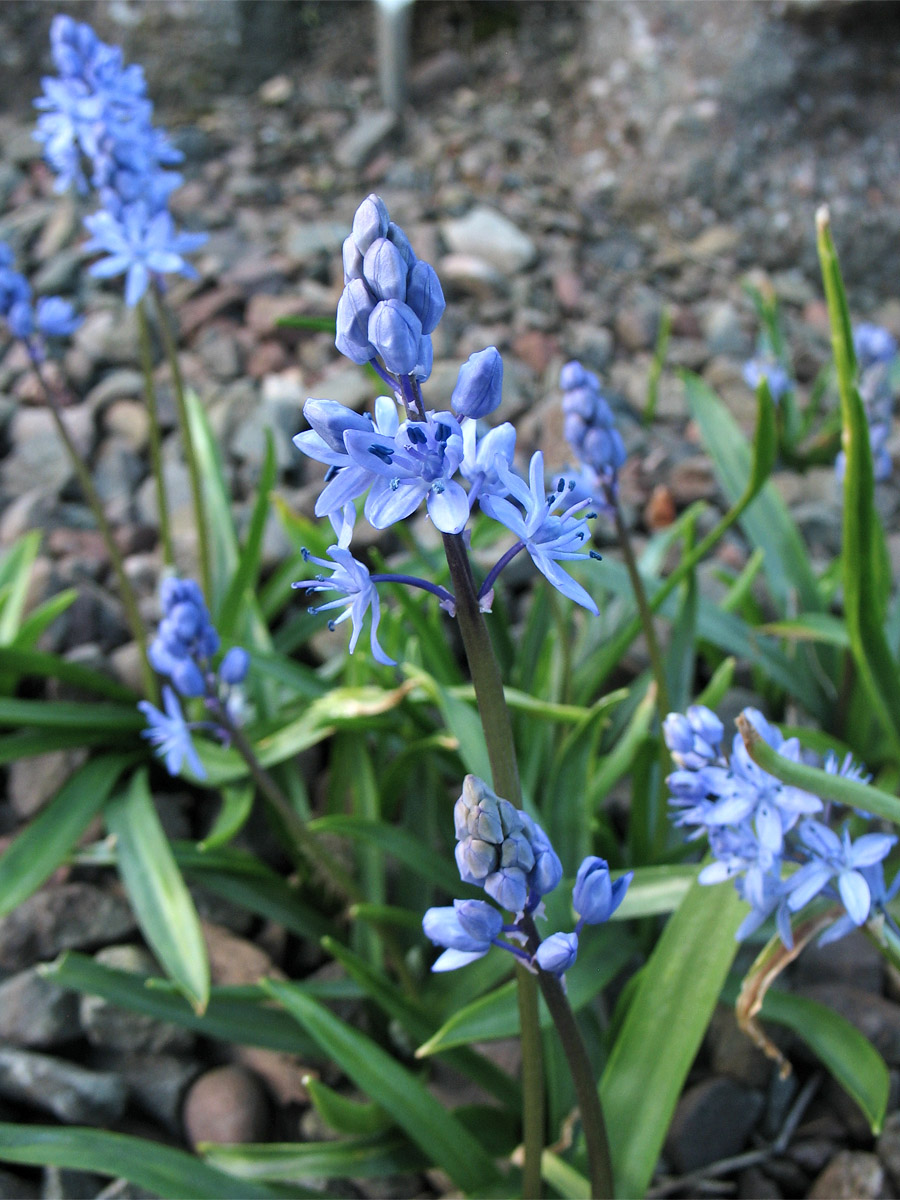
590	430
873	344
694	739
55	317
418	463
467	930
557	953
595	897
480	458
170	734
833	857
774	373
141	246
359	596
549	539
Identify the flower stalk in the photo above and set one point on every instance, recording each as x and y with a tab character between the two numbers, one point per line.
165	529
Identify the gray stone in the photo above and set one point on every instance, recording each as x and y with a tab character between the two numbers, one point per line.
71	1093
34	781
110	336
469	275
38	452
61	273
111	1027
888	1147
307	241
487	234
35	1012
128	421
156	1084
117	470
70	916
851	1175
14	1187
123	383
367	134
63	1183
712	1120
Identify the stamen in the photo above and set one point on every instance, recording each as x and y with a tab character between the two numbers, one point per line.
382	452
332	626
304	554
597	555
415	434
395	483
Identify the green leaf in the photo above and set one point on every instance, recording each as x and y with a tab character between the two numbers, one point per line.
397	842
163	1170
39	849
866	573
673	1001
21	661
426	1122
655	890
297	1162
15	579
158	894
42	616
849	1056
570	1184
602	954
237	804
69	714
766	521
821	783
811	627
344	1115
246	1021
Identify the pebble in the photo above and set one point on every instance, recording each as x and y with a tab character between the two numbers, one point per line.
712	1120
32	782
851	1175
487	234
113	1027
71	916
36	1013
70	1093
888	1147
227	1105
367	134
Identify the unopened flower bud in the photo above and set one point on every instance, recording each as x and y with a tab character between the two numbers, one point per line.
354	311
595	897
385	271
479	384
352	259
234	666
394	330
331	420
370	222
424	295
557	953
479	919
396	235
188	678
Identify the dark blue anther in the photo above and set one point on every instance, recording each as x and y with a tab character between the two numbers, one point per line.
596	554
383	452
416	435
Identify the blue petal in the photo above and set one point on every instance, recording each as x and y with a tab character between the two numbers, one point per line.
855	895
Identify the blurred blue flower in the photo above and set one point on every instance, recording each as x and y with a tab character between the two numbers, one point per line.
837	858
590	430
873	344
467	930
141	246
170	734
774	373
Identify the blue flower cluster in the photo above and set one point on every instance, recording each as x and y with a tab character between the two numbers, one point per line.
185	644
590	430
756	825
406	455
97	110
876	354
51	316
501	849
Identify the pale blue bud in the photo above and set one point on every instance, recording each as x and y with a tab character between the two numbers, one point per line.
394	330
479	384
370	222
595	897
385	271
557	953
424	295
354	312
234	666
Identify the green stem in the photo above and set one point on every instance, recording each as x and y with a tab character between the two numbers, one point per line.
165	531
184	424
586	1091
498	736
644	610
126	592
308	849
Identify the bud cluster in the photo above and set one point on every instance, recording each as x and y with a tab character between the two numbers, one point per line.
186	642
590	430
504	851
391	300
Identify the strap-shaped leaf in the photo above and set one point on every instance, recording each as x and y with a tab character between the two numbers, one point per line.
670	1009
445	1141
45	843
157	891
293	1162
161	1169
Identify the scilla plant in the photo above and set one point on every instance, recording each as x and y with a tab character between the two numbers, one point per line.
458	859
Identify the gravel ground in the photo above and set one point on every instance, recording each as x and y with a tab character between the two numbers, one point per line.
572	170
